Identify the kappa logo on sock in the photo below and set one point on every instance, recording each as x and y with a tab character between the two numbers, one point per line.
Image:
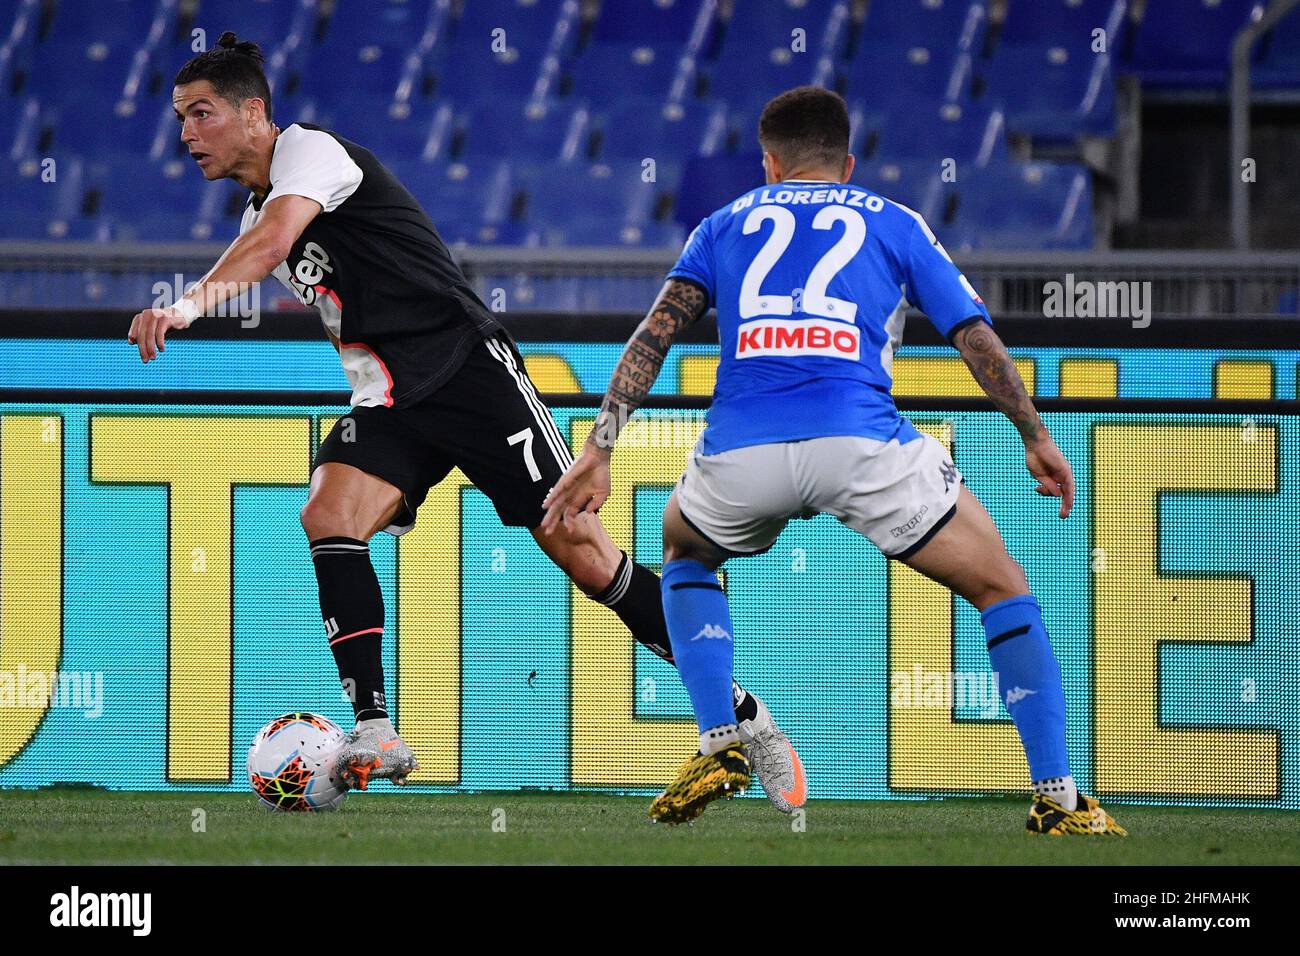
714	631
1016	694
331	628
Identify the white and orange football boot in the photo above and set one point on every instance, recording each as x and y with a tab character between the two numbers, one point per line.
774	760
374	750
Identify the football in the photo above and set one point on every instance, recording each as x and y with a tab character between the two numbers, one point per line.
291	764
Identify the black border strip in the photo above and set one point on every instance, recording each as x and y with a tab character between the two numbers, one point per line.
915	403
1181	332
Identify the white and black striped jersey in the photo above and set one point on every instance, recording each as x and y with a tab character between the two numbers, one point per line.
392	299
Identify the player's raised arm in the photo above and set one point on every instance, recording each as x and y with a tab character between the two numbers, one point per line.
991	365
250	258
585	486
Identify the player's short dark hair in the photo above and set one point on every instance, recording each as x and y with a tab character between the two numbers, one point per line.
234	68
806	126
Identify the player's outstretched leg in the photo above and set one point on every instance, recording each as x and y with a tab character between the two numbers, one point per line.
345	508
632	591
968	556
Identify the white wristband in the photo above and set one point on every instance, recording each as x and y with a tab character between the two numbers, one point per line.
188	308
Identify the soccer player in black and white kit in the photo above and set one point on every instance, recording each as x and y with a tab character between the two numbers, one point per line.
437	383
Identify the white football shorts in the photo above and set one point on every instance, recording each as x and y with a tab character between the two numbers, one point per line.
898	495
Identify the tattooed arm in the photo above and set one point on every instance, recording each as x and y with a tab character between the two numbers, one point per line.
585	486
991	365
679	304
988	361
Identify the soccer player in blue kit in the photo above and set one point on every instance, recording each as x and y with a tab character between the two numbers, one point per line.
811	279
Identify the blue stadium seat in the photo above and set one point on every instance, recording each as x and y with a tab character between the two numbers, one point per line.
1073	90
467	202
600	204
1188	44
177	191
969	135
527	24
646	69
100	68
265	22
1021	206
1278	66
656	22
107	20
39	209
1073	87
905	23
507	129
760	26
1067	23
637	128
744	74
709	182
891	81
914	184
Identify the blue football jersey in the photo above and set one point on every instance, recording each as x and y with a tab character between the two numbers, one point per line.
811	281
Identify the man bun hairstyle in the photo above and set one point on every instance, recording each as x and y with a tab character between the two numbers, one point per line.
234	68
806	127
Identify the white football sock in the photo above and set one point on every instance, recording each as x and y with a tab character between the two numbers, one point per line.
711	741
1060	789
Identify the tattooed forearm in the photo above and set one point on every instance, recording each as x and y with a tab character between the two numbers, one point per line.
988	361
679	304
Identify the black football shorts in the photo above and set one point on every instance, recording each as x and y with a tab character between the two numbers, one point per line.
486	420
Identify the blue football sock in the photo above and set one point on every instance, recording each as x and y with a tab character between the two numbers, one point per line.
699	626
1030	681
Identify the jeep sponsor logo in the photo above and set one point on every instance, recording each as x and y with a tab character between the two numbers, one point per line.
902	529
806	337
310	271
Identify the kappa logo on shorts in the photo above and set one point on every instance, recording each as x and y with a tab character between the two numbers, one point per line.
902	529
949	472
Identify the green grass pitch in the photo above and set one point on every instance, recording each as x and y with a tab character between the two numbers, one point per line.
93	827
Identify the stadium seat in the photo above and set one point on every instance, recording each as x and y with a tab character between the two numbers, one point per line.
597	204
647	69
709	182
966	134
38	207
509	129
906	23
744	74
656	22
1189	44
1278	65
467	202
1067	23
1021	206
1073	91
639	127
265	22
912	184
113	182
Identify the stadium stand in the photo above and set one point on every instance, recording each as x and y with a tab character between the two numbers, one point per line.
504	130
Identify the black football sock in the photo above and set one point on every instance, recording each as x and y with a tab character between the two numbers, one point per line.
634	595
352	606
